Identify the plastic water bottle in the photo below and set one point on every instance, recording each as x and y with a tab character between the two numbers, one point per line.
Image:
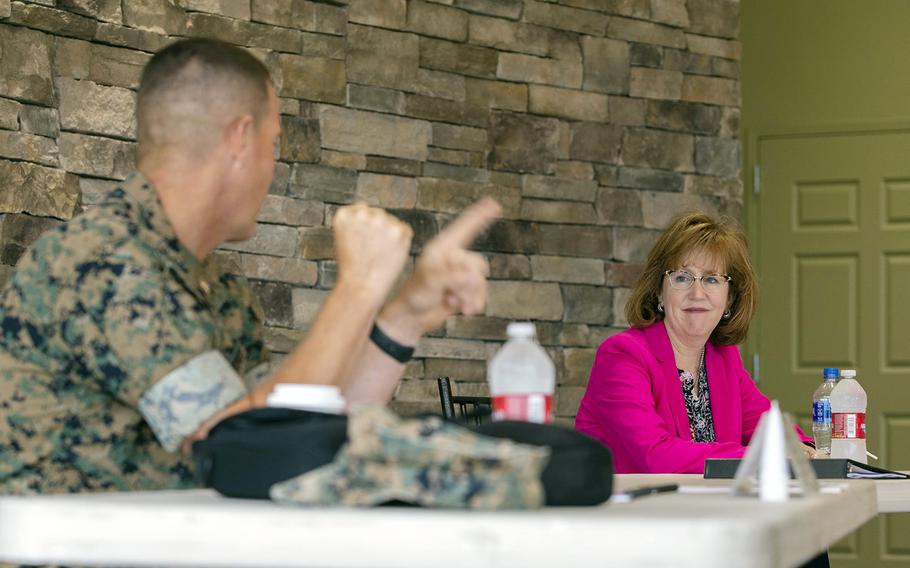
522	378
848	413
821	413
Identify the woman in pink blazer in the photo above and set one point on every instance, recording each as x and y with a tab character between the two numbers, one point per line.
672	391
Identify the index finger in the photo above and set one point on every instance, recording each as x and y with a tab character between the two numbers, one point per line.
464	229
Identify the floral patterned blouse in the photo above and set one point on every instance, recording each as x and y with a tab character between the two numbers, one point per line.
698	406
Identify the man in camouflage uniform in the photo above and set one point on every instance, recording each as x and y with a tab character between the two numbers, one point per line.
121	340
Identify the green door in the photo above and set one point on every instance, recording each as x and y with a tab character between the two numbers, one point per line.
833	250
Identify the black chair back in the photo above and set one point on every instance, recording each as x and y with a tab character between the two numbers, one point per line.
476	409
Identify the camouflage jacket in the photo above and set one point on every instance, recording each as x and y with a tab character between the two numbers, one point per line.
98	312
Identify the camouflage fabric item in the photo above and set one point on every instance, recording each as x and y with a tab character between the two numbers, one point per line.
425	461
98	311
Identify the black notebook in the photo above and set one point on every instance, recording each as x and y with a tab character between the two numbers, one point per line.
824	469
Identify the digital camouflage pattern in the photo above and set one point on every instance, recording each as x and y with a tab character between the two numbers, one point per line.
424	461
99	310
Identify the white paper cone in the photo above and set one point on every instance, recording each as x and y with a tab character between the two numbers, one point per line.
774	474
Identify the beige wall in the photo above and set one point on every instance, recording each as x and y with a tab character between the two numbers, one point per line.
592	121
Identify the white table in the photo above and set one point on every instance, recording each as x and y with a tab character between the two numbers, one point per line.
199	528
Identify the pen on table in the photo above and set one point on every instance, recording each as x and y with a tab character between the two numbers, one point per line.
627	496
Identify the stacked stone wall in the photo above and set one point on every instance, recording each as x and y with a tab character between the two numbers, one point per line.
591	121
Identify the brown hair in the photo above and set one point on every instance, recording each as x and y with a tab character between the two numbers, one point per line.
688	233
192	88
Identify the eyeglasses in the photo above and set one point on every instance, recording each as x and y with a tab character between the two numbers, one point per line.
683	280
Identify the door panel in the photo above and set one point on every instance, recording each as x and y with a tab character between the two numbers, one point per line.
834	266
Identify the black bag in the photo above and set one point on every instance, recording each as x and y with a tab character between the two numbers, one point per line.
245	454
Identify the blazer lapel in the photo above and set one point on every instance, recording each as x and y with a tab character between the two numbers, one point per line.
721	393
660	345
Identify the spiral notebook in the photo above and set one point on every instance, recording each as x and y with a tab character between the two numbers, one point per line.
824	469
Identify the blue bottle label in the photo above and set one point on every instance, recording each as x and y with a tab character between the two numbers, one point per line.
821	412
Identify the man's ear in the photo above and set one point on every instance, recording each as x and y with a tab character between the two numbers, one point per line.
238	135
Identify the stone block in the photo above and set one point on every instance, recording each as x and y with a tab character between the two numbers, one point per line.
577	364
569	212
372	133
281	340
393	166
95	190
587	304
640	9
451	196
532	69
382	57
301	14
729	122
5	11
643	178
683	117
239	9
436	20
687	62
565	18
104	10
376	98
288	107
547	187
646	55
561	334
28	147
37	190
25	65
321	183
725	68
496	94
658	149
116	66
276	301
717	156
596	142
423	223
476	327
89	107
57	22
328	274
510	9
623	274
162	17
632	244
575	170
458	58
433	347
275	240
645	32
455	157
289	211
567	103
281	179
711	90
9	115
459	370
509	36
444	110
130	37
606	65
299	139
567	401
566	269
321	45
313	78
576	241
670	12
619	206
655	83
627	112
239	32
72	57
379	13
96	156
726	48
457	173
724	187
277	269
620	299
521	300
719	18
511	237
606	175
387	191
509	266
523	143
18	232
440	84
459	137
317	243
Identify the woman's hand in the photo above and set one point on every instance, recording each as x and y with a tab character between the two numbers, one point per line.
809	451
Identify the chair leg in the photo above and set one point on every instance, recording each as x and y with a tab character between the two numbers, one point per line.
445	398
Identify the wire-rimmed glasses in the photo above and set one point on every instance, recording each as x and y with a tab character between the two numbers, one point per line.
683	280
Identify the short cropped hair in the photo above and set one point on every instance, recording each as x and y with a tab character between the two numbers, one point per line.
721	239
194	87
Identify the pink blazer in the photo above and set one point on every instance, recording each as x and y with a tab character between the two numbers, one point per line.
634	404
